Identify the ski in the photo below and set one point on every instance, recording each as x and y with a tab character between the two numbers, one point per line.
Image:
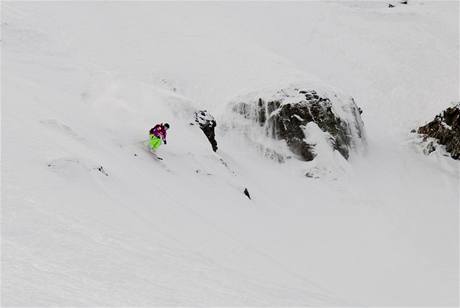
157	157
154	155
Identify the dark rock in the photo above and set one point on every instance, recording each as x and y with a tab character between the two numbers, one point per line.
286	115
390	5
207	124
311	175
445	128
102	170
246	192
403	2
429	148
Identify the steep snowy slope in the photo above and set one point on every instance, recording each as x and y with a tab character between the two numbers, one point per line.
90	218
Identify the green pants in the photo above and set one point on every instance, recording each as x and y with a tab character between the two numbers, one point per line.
155	142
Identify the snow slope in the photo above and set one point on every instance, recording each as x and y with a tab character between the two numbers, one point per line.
84	81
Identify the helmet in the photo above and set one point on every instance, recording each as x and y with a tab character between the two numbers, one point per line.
166	125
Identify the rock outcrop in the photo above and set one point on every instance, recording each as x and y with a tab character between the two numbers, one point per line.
303	117
207	124
445	128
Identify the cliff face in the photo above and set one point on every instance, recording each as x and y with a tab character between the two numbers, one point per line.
293	114
445	128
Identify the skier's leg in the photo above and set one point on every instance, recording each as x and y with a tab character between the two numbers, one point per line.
151	142
155	143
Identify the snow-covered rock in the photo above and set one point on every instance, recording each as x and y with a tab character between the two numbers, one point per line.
207	124
304	118
445	129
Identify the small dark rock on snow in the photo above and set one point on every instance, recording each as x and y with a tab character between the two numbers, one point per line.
102	170
246	192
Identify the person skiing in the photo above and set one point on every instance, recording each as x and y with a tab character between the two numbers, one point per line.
157	135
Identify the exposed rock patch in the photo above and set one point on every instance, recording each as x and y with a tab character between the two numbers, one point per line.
445	128
291	114
207	124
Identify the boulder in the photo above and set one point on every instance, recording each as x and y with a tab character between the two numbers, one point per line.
207	124
445	129
303	118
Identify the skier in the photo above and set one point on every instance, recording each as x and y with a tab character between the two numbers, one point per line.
157	135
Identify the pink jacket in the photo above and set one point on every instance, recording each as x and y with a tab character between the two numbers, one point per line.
158	131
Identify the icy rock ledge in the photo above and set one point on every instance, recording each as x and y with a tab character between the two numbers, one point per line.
310	121
445	129
207	124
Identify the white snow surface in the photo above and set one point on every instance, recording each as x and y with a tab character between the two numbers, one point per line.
83	82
